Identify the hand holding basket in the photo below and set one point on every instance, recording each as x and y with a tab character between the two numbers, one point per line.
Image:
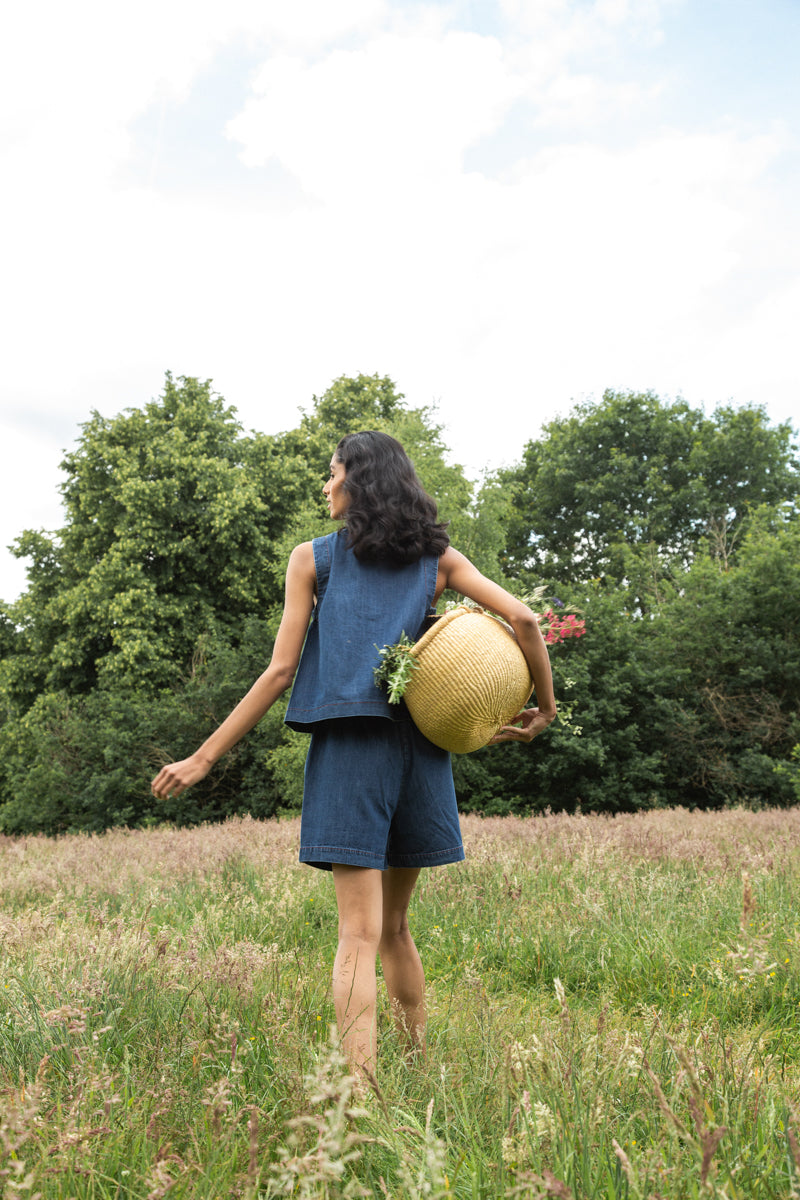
471	679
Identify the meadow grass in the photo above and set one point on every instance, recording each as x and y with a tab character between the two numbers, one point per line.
613	1013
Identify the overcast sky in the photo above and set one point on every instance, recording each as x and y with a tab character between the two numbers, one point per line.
505	205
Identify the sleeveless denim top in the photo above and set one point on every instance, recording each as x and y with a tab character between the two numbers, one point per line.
361	606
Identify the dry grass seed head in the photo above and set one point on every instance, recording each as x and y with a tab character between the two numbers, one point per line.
322	1145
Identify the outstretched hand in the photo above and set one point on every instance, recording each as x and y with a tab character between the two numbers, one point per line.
177	777
524	728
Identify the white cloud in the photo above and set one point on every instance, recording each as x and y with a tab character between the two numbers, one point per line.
401	109
74	75
309	25
567	27
582	261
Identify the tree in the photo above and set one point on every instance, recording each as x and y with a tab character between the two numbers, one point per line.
634	472
84	762
373	402
728	643
601	759
149	614
166	534
152	610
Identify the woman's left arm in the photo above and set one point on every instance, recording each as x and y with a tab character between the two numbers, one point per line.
459	574
300	586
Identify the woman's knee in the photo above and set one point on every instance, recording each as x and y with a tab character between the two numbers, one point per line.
395	926
362	931
395	936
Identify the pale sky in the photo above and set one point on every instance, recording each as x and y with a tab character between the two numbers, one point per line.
507	206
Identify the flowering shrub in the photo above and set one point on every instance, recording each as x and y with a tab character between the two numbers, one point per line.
397	662
557	629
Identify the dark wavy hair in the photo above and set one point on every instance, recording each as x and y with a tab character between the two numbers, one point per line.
390	516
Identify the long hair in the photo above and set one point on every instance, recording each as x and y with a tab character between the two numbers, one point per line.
389	514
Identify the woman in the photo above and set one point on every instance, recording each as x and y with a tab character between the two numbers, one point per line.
378	802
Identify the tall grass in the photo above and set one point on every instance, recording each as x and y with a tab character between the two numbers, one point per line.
613	1013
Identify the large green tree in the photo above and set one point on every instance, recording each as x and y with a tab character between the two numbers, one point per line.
170	516
151	611
727	646
373	402
633	475
696	703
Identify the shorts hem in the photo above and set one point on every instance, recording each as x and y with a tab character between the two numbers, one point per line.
324	857
428	858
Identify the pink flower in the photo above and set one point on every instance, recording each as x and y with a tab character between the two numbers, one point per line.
558	628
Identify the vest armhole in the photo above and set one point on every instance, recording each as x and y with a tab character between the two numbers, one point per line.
322	564
431	576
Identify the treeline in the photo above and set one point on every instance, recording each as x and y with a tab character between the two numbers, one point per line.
676	536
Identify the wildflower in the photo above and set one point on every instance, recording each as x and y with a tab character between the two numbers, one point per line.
518	1055
510	1151
558	628
545	1122
398	662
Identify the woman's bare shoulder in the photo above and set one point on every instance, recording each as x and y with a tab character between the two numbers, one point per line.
301	560
452	558
455	572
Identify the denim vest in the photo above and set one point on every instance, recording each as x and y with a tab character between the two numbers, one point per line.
361	606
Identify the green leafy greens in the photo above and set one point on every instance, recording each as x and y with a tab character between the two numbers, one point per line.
396	667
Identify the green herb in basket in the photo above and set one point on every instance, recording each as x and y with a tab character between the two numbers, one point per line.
394	672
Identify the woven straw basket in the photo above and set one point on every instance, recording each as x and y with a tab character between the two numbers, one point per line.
472	678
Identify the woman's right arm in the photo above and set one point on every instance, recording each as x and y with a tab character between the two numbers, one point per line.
300	587
459	574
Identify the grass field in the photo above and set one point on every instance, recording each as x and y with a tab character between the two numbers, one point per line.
613	1003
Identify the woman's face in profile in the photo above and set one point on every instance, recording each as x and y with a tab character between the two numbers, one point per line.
334	490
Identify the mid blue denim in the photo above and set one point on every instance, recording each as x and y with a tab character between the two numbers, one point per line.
360	608
378	794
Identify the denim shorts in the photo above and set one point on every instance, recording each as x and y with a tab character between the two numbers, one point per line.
377	794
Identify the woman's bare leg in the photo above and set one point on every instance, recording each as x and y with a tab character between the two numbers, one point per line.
400	960
359	897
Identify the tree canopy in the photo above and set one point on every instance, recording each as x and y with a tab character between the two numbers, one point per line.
151	611
635	472
169	567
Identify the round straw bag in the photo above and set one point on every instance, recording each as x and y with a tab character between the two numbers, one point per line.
472	678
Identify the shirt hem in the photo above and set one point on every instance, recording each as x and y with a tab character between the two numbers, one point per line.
336	712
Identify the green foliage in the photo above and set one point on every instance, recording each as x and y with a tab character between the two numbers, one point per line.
695	703
395	669
167	532
607	682
483	536
373	402
636	471
83	763
286	763
348	405
151	612
789	772
730	639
